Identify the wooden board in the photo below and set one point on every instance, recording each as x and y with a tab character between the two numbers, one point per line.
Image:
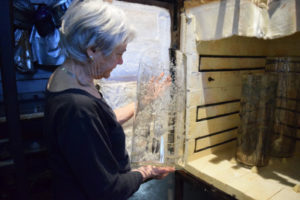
206	80
245	46
213	140
202	121
193	155
227	63
213	95
216	110
206	127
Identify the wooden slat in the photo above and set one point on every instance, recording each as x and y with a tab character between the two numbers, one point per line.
211	111
195	155
245	46
203	128
234	46
288	104
213	95
219	63
218	79
215	139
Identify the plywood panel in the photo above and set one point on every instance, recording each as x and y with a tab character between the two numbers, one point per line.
200	80
192	155
206	127
215	110
213	95
234	46
215	139
219	63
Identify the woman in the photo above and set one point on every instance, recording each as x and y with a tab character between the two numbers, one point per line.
85	138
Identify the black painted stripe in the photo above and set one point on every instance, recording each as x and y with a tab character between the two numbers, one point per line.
286	98
290	126
227	141
217	116
216	133
219	103
290	137
287	109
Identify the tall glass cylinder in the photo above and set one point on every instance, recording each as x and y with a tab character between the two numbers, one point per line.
287	117
257	119
154	137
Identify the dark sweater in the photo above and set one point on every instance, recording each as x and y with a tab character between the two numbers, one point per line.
87	148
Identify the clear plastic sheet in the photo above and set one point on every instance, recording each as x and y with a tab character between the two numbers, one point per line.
158	124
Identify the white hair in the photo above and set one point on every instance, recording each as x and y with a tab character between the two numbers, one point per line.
95	24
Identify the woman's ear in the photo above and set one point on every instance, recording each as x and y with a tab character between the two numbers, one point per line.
90	52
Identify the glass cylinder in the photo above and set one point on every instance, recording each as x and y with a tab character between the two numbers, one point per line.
287	117
256	115
154	136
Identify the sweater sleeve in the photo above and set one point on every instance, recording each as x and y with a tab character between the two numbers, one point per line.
85	146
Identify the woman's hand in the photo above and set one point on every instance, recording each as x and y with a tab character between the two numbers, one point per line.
155	88
150	171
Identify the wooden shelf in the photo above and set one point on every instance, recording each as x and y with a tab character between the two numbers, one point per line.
275	181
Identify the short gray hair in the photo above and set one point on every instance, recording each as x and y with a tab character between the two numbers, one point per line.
96	24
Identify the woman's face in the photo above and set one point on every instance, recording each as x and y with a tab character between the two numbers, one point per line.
102	66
